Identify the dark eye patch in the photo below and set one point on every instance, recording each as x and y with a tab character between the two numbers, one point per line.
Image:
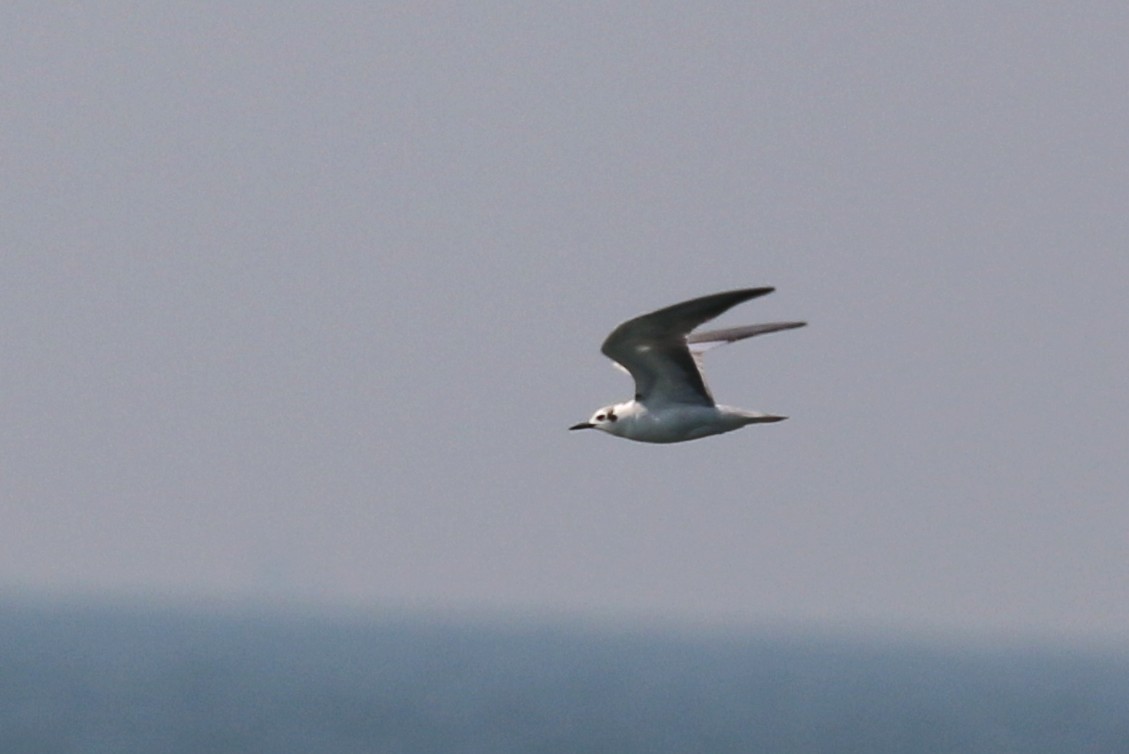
612	417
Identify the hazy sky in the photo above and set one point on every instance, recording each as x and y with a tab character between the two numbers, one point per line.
298	301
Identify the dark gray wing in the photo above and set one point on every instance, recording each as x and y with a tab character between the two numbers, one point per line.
653	348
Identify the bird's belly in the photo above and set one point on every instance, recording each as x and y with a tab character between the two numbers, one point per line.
676	425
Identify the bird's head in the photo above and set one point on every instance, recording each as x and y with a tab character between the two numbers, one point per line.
605	419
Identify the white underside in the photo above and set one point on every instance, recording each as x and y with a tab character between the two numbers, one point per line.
678	423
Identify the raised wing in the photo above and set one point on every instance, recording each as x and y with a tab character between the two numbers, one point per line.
703	341
653	347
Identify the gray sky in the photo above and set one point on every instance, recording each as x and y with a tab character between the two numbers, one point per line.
298	301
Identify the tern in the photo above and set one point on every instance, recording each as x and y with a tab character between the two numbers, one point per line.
672	402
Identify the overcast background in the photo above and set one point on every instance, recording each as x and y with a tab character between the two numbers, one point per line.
299	299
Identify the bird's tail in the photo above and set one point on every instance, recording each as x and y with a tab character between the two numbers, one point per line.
740	417
756	417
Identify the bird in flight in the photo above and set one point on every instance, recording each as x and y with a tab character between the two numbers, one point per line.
672	402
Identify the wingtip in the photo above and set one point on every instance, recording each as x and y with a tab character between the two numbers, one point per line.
741	295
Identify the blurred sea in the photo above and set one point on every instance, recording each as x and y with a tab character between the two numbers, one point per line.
82	678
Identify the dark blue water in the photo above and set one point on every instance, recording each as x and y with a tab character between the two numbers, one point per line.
89	679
